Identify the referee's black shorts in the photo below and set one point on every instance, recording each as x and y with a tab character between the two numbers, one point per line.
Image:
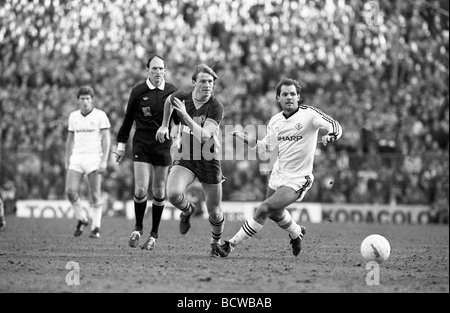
149	150
207	172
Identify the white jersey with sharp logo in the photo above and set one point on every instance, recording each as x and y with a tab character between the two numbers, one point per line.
87	130
296	138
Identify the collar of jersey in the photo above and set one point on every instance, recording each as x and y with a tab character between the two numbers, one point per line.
288	117
84	115
150	85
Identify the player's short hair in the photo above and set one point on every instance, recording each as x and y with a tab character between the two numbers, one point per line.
153	56
203	68
290	82
85	90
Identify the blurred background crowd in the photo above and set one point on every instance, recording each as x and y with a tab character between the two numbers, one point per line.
381	68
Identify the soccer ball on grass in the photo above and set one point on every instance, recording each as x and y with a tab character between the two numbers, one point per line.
375	248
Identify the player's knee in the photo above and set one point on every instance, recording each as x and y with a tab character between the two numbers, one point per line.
96	198
216	215
263	211
140	192
72	195
277	216
159	193
174	197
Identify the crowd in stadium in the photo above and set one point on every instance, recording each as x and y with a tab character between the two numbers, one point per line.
387	85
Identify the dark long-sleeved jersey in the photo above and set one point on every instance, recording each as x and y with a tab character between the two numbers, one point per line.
146	108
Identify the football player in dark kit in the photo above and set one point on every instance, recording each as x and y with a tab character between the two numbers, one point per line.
200	114
146	109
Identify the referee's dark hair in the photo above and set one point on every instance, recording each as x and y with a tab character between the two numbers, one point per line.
150	59
290	82
85	90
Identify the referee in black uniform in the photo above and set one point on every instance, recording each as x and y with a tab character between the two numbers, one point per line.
146	109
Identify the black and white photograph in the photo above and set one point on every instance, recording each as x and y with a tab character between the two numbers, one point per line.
224	154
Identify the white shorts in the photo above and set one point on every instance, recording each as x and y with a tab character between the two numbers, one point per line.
85	163
300	184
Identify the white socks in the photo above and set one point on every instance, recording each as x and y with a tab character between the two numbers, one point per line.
247	231
80	214
97	216
289	225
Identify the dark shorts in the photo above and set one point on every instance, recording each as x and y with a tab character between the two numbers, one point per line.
149	150
207	172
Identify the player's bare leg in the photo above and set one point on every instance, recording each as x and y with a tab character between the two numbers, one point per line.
272	206
73	181
95	195
296	232
179	179
213	194
284	219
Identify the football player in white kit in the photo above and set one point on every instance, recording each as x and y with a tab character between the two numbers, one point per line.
87	150
295	131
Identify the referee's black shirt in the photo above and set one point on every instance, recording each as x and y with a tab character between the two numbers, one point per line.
146	108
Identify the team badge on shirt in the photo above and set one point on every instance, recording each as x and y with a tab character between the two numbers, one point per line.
298	126
147	111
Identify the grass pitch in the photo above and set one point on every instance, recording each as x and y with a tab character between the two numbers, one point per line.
35	253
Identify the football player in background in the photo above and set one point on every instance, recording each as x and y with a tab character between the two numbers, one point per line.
87	151
295	132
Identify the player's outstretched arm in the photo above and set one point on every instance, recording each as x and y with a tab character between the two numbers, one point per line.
332	136
252	142
163	133
332	126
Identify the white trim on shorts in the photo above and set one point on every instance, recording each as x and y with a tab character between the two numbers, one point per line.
301	185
